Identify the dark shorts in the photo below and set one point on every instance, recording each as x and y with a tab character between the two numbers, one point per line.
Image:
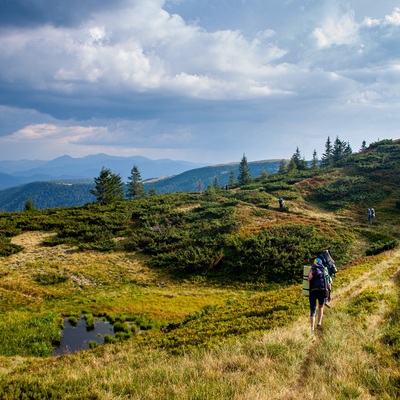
314	297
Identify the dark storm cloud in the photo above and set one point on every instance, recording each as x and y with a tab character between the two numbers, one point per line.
30	13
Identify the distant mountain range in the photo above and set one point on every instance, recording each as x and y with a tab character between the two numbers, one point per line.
64	191
13	173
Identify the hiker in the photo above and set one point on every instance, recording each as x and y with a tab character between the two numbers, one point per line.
320	285
330	266
281	202
371	215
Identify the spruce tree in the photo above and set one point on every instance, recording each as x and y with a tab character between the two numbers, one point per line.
135	185
326	158
108	187
232	179
341	149
314	161
363	146
216	183
282	166
337	151
299	163
29	206
244	172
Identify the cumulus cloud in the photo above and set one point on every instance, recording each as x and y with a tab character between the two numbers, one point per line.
146	49
337	30
141	75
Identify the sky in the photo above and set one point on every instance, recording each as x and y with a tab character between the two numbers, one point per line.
196	80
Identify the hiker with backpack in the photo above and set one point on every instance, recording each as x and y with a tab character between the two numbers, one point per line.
320	286
330	266
281	202
371	215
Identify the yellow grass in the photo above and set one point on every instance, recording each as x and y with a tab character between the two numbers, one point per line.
347	360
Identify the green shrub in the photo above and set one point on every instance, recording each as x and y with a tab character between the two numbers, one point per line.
7	248
278	254
348	190
50	278
122	327
110	339
256	197
366	302
381	246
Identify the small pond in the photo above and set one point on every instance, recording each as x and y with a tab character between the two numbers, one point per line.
77	337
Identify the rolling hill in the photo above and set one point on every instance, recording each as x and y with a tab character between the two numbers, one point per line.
76	192
203	291
13	173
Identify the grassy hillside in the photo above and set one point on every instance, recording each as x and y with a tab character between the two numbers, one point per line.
189	181
212	283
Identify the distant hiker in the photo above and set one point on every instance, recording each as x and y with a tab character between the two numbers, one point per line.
281	202
371	215
320	285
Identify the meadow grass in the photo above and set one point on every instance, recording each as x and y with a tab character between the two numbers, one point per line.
349	359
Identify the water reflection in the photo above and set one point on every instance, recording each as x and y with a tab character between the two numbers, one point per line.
77	337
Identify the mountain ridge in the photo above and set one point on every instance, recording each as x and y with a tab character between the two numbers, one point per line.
13	173
46	193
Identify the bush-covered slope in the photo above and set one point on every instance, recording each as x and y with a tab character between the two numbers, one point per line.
213	278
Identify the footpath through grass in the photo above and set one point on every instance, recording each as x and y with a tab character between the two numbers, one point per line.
356	356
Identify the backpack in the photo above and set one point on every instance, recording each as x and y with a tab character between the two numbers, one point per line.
319	283
328	262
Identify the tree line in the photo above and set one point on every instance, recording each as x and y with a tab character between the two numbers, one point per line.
334	155
109	186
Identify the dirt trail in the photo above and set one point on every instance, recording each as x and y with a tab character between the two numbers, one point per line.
312	360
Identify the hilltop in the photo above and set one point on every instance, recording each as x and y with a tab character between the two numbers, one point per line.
213	282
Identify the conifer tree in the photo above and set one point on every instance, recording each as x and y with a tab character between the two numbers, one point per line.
244	172
108	187
341	149
314	161
135	185
291	166
326	158
263	175
216	183
29	206
282	166
299	163
232	179
363	146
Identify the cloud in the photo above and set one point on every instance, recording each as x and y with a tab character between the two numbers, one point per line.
148	49
22	13
181	77
339	29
